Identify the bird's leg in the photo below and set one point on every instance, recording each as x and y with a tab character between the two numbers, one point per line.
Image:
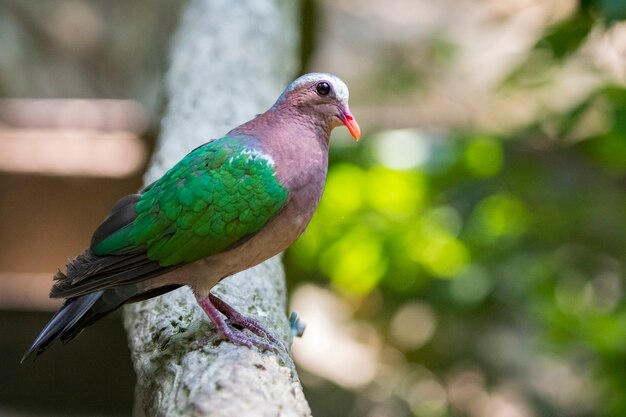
238	319
224	331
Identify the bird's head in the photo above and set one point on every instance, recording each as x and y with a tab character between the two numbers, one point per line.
323	95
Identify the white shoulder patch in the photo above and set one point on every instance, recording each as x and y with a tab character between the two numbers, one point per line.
250	154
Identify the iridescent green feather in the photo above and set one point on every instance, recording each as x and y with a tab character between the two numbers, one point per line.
217	195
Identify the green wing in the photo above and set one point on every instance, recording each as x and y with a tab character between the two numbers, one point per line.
216	196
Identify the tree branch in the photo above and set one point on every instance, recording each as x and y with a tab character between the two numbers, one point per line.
229	61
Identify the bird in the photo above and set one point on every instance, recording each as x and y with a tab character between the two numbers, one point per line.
227	206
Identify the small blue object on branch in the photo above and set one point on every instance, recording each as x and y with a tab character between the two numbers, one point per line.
297	325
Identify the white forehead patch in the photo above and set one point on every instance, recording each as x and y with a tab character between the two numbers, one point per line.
339	87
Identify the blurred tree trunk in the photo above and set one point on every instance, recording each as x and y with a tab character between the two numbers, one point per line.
229	61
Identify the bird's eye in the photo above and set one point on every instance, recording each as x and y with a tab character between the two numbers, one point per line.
323	88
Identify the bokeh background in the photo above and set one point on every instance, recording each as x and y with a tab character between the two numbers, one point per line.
467	258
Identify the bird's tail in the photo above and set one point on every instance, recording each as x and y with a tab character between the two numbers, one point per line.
62	324
82	311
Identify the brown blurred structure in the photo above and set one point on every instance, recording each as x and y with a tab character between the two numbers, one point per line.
79	96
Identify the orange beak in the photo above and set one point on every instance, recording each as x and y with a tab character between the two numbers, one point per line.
348	119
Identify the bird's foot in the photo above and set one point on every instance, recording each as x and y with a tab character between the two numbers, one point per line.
237	319
238	338
214	308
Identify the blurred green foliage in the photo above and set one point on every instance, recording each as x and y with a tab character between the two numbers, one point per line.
566	36
524	232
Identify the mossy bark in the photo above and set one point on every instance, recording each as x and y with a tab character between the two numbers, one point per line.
229	61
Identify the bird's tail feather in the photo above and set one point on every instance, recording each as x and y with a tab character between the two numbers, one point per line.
82	311
63	321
